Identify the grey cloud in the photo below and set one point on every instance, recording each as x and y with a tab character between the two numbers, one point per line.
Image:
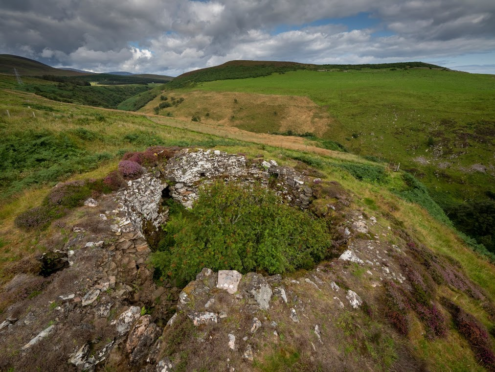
176	36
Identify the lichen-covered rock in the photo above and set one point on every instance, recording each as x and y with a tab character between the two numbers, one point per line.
354	299
142	202
200	318
229	280
350	256
257	287
141	337
126	319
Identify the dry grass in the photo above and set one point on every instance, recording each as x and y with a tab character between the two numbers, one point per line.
255	112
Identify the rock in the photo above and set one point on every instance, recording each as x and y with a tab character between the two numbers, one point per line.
350	256
103	217
200	318
79	357
281	292
274	163
43	334
172	320
248	354
204	274
125	320
91	203
103	310
222	315
30	318
164	365
90	297
231	341
311	282
229	280
67	297
6	324
354	299
339	303
318	333
293	315
256	325
360	227
258	288
334	286
266	164
184	298
141	337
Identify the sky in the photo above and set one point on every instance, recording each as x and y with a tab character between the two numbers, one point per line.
171	37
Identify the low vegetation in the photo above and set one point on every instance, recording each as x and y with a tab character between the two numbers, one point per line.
240	229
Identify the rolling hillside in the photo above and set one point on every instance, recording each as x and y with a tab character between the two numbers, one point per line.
436	124
28	67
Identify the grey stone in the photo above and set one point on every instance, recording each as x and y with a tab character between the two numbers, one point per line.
231	341
90	203
164	365
248	354
90	297
229	280
293	315
354	299
281	292
256	325
126	319
350	256
43	334
200	318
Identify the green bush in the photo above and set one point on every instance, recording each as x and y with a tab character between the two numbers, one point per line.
231	227
363	172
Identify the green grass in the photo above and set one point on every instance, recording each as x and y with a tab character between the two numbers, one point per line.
396	116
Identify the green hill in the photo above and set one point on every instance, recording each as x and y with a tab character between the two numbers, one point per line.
28	67
435	123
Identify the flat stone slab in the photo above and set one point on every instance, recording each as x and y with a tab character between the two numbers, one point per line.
229	280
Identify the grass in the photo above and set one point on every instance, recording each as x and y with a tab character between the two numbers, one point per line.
436	124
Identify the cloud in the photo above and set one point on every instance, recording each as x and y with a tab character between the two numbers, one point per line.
175	36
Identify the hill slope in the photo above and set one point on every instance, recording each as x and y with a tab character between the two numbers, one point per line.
436	124
29	67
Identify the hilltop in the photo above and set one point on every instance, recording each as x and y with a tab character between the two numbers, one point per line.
29	67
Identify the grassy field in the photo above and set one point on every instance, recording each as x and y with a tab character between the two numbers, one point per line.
439	125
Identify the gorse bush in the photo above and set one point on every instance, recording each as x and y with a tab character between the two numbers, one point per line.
245	229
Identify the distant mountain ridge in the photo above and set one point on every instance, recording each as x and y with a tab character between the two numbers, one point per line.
29	67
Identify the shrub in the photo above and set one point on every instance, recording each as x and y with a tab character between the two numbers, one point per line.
36	218
397	306
196	118
130	169
164	105
475	333
231	227
364	172
114	181
136	157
